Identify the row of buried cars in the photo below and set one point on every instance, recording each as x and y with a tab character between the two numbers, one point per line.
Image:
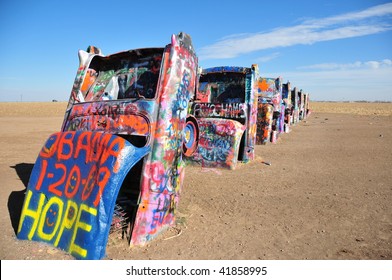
236	109
133	121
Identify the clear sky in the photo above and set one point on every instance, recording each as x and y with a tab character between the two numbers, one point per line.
337	50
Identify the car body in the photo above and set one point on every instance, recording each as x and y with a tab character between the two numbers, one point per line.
270	110
295	105
118	159
286	97
225	107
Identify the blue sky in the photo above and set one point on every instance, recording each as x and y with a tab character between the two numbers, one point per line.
335	50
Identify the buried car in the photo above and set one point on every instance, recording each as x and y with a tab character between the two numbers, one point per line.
117	164
295	105
225	108
286	97
271	110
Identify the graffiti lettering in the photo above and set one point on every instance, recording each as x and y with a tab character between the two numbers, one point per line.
164	208
92	150
218	150
220	110
69	185
219	142
49	220
182	97
132	124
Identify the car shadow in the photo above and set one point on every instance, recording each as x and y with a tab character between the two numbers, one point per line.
16	198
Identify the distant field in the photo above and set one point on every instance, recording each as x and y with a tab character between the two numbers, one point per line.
356	108
32	109
57	109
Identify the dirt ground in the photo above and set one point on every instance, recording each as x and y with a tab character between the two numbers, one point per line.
325	195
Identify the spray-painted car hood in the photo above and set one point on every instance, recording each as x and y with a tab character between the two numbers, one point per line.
72	190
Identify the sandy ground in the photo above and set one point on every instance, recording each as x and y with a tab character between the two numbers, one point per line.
326	195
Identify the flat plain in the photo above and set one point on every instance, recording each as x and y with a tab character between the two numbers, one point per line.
325	193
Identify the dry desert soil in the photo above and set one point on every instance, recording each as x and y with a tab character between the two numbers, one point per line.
326	194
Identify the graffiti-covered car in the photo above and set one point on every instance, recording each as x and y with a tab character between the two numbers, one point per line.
117	163
295	105
303	99
225	108
270	116
286	98
307	106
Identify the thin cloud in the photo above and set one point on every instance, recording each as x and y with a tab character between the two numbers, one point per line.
348	25
268	57
369	80
343	66
376	11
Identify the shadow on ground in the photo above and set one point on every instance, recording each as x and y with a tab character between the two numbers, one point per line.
16	198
